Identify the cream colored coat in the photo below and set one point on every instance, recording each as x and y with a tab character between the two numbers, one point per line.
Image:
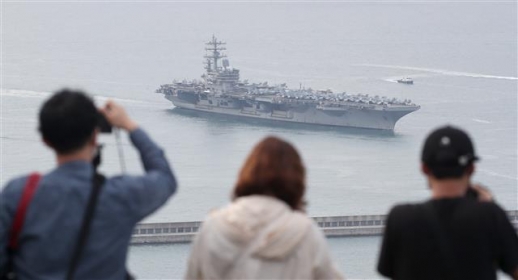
260	237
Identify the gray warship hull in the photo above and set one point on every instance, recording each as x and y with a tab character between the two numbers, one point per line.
347	116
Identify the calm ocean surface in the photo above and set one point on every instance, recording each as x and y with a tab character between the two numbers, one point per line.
462	56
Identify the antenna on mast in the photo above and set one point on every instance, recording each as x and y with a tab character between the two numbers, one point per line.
214	47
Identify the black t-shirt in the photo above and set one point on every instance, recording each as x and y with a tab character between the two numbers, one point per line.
477	240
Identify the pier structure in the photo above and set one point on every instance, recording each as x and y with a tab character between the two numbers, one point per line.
335	226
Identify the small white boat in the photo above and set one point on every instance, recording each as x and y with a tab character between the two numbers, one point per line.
407	81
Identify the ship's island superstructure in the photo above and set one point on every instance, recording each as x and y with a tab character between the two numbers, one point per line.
221	91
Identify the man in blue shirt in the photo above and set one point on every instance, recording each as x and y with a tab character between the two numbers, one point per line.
69	125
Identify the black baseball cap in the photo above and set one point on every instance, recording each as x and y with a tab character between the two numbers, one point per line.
448	147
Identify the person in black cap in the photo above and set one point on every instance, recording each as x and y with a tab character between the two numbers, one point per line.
459	233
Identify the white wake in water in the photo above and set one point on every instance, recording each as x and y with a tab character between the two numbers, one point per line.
100	99
439	71
395	78
23	93
481	121
496	174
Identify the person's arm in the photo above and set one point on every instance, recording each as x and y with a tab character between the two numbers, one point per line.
483	193
146	193
5	226
324	267
194	262
508	244
387	254
9	198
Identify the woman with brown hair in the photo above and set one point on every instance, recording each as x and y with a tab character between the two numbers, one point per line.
263	233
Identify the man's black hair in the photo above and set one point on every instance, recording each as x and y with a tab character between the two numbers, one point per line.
445	172
68	120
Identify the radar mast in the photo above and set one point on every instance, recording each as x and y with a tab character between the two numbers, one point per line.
214	48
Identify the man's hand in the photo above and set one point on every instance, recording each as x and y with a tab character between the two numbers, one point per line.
483	193
117	116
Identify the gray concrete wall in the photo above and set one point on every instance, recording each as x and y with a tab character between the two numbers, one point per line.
337	226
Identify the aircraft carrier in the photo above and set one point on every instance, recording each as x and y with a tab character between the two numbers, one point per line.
222	92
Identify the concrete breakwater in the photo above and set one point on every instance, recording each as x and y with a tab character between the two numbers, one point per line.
336	226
